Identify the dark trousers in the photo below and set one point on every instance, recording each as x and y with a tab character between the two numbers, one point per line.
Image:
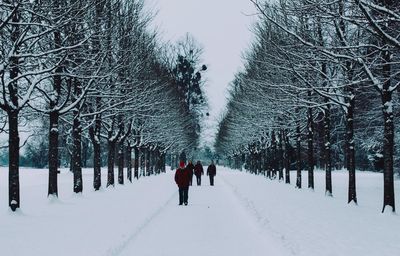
211	180
191	180
183	195
198	179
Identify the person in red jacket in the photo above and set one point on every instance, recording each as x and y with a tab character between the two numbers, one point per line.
182	179
198	171
211	172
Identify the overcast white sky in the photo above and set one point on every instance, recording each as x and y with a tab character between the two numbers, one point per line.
222	27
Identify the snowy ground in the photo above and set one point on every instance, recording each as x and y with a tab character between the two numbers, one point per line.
242	215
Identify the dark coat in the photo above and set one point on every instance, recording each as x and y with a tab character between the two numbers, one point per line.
198	170
211	170
190	168
182	178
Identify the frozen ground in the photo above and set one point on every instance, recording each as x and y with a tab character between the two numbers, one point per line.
242	215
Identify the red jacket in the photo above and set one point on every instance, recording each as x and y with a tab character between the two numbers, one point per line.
182	177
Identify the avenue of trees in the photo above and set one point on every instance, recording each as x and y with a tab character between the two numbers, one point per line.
92	80
320	88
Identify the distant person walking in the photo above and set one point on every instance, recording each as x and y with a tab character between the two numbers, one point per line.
198	171
182	179
190	168
211	172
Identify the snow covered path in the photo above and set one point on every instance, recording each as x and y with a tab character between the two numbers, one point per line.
142	218
242	215
213	224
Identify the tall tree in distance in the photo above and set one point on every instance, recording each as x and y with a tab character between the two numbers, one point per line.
187	73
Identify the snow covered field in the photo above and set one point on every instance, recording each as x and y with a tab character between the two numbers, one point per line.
242	215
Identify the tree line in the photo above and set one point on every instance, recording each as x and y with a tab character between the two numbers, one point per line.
320	87
93	74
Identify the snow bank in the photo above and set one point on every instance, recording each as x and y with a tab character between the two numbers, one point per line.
309	223
92	223
242	215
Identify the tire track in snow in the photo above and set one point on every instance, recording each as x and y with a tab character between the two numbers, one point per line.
117	250
249	207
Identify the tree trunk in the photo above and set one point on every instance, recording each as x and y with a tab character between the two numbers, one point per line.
269	163
94	133
254	162
274	162
327	151
287	159
161	166
350	151
351	166
53	152
129	161
388	140
148	155
142	161
110	160
298	155
71	160
157	164
85	152
310	138
54	119
121	162
327	124
154	162
176	161
13	147
164	168
13	112
263	161
172	161
136	163
97	164
77	152
280	155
